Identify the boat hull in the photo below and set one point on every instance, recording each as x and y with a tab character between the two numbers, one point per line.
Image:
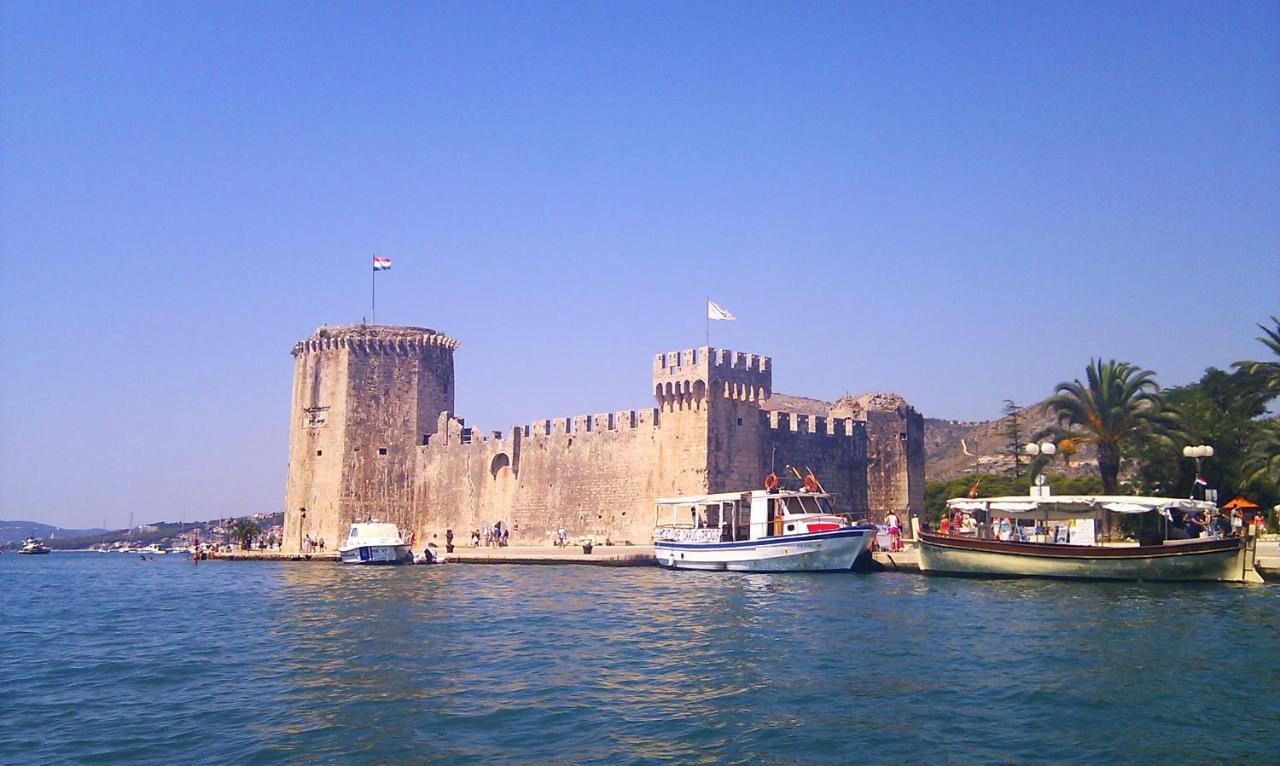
1207	560
376	554
835	550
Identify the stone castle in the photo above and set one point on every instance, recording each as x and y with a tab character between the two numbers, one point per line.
373	434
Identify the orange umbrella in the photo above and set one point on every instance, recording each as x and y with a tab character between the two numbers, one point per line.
1240	504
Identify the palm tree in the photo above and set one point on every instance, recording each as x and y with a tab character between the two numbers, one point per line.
1117	406
1263	466
245	530
1270	371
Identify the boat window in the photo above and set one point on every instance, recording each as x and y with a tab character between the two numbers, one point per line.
353	531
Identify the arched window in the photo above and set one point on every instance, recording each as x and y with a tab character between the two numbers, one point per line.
500	461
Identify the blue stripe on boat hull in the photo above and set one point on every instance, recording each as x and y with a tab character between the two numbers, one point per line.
768	541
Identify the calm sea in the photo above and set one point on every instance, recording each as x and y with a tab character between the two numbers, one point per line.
108	659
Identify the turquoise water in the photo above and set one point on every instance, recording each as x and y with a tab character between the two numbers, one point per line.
107	659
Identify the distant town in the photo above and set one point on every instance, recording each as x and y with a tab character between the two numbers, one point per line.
256	530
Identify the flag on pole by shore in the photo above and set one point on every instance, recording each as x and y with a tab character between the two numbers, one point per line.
381	264
716	311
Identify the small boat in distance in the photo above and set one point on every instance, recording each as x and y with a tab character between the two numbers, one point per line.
757	531
375	542
32	546
154	549
1036	554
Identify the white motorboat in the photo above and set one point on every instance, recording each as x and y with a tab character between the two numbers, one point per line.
32	546
154	549
1038	550
757	531
375	543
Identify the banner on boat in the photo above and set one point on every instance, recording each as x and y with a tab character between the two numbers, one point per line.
675	535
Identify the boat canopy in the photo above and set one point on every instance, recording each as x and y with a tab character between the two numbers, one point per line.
1074	506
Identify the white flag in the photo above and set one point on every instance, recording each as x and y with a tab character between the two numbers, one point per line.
716	311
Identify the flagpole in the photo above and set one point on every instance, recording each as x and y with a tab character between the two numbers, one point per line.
373	291
706	313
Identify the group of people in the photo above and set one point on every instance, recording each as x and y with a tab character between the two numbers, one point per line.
311	546
959	523
498	535
1193	525
965	524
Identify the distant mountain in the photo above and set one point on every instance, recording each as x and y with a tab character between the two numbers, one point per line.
987	441
17	531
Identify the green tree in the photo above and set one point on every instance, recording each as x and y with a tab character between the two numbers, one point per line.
1118	407
244	530
1262	466
1268	372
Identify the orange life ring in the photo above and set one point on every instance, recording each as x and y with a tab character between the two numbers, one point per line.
771	482
810	483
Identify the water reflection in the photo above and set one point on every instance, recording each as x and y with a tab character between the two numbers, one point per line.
290	662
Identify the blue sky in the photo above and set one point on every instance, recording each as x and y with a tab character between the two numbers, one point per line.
960	202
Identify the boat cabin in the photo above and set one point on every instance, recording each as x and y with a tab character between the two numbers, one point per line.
1073	519
374	533
740	516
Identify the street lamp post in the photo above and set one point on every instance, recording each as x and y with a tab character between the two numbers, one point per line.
1198	452
1048	449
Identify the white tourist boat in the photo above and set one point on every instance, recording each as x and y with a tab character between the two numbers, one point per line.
154	549
756	531
32	546
1033	552
375	542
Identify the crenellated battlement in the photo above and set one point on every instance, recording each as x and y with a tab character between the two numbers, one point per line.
622	420
374	339
684	380
709	358
797	422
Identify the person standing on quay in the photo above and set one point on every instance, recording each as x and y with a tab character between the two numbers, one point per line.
895	531
448	541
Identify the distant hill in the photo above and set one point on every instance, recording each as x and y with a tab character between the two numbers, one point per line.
17	531
988	443
13	533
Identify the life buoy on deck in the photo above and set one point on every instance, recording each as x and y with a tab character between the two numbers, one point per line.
810	483
771	482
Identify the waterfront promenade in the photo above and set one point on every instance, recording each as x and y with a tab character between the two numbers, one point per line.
601	555
642	555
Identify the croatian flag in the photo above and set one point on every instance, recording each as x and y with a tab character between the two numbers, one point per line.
381	264
1200	481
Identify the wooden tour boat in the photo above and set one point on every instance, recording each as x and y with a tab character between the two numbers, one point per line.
1229	559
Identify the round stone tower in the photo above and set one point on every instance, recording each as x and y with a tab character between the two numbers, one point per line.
364	398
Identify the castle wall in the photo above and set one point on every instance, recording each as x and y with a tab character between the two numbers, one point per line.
317	435
834	449
592	475
895	461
